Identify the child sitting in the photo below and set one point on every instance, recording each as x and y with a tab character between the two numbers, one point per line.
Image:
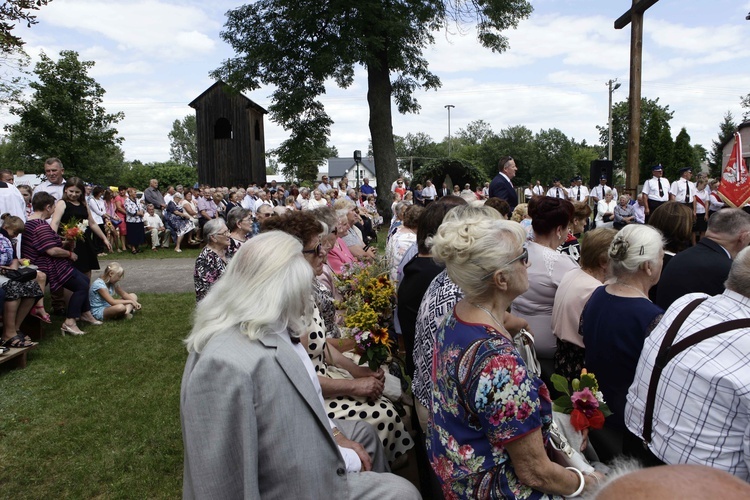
104	305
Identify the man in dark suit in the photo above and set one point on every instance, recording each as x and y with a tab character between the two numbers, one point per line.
705	267
502	185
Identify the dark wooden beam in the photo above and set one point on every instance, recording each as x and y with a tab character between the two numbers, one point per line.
638	8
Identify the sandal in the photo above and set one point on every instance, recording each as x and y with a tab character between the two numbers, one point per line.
43	315
18	341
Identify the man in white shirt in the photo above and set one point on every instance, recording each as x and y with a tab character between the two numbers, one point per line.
703	392
169	195
324	185
578	193
557	190
538	189
655	190
429	193
153	225
264	198
53	170
683	189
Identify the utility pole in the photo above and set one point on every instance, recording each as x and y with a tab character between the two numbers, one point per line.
448	107
617	86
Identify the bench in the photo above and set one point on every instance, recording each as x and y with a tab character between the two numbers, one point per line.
16	356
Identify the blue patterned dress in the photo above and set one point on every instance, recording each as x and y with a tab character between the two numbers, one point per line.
482	398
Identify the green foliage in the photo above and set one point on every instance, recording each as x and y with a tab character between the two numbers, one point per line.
554	157
13	12
136	174
654	118
13	75
583	155
302	156
65	118
726	131
183	142
684	153
460	173
98	416
745	103
298	46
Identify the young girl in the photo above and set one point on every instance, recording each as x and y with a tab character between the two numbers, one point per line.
104	305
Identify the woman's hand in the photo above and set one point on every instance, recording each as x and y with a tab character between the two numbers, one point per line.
367	387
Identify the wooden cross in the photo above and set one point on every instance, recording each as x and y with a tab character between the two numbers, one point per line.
635	16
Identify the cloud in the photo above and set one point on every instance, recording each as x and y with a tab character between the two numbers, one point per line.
158	28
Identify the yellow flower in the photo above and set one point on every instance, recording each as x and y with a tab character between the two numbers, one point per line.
380	336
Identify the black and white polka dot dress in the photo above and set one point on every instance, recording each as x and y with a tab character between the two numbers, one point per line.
381	413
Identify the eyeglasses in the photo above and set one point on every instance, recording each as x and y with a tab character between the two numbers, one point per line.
524	258
265	214
318	250
224	233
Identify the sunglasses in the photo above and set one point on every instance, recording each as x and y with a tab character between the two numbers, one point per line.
524	258
318	250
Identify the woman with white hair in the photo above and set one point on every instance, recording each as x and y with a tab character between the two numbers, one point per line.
490	416
250	405
317	200
615	322
212	261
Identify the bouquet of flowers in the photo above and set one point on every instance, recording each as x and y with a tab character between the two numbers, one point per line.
367	300
585	403
74	229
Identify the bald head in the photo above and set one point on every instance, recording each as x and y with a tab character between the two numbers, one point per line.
673	482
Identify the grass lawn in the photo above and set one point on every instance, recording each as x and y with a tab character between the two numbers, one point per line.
97	416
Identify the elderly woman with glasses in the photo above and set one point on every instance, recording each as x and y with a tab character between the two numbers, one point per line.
350	391
490	416
212	261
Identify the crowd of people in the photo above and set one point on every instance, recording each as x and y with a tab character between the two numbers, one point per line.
472	271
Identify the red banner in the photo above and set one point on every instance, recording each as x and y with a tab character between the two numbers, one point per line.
735	184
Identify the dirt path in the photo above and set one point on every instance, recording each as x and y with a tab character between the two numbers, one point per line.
155	275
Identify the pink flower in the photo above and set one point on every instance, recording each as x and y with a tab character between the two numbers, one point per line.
496	417
585	401
452	444
466	452
524	411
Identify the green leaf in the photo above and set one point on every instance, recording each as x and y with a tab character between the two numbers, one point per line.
563	404
560	383
588	381
605	409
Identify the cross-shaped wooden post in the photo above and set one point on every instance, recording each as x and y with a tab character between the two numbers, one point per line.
634	16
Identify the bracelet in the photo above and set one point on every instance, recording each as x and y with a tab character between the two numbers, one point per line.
337	432
580	486
70	254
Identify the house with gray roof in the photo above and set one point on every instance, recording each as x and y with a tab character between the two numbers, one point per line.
338	168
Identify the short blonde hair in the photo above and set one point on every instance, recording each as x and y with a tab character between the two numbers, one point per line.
472	242
112	269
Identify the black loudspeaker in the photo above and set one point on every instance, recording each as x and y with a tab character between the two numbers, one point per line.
599	168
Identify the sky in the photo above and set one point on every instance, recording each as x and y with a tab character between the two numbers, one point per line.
154	56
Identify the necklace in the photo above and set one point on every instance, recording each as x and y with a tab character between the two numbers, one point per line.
633	288
499	324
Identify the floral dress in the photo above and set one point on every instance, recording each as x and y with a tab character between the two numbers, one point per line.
381	413
482	398
15	289
178	223
209	266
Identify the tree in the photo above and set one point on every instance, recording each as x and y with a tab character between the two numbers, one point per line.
12	12
183	142
726	131
583	155
301	159
684	153
297	46
745	102
651	142
554	156
138	175
517	141
65	118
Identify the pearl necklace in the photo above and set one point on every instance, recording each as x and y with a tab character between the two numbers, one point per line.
633	288
499	324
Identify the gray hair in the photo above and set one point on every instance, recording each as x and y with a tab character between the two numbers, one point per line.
176	196
212	228
235	215
326	216
739	275
472	242
729	221
633	246
246	296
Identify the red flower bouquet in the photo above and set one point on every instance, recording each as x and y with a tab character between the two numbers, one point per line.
585	403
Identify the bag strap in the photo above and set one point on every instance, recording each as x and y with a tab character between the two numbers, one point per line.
667	352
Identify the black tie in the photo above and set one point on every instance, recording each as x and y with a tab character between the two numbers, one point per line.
661	191
578	195
558	192
687	191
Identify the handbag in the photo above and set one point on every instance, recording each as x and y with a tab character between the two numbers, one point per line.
558	447
21	275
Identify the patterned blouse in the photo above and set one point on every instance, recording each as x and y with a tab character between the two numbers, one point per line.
131	211
38	237
482	398
209	266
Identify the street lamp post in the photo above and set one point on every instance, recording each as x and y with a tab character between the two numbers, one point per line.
357	160
611	89
448	107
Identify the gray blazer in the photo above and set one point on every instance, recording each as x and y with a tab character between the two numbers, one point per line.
253	426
